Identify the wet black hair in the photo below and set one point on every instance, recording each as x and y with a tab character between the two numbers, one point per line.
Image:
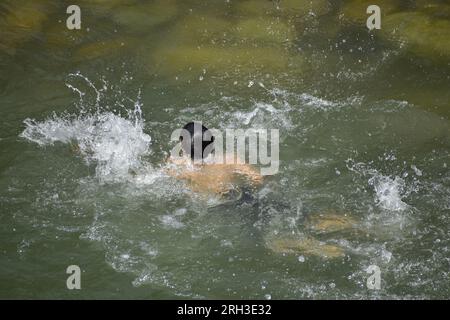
199	134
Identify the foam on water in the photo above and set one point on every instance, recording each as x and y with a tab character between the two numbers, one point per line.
389	192
261	113
115	144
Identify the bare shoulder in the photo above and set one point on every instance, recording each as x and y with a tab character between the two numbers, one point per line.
212	176
235	165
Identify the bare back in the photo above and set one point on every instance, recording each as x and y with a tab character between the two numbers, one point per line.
215	178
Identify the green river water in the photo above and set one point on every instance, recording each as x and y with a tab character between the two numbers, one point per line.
86	117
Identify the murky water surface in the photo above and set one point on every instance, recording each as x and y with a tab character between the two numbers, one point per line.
86	117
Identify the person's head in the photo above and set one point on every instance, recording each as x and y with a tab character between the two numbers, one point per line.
194	139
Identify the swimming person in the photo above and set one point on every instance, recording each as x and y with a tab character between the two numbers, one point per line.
203	174
236	182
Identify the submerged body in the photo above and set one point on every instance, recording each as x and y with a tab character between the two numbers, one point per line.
224	180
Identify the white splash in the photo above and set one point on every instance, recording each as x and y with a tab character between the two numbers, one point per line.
114	143
262	114
171	222
389	192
